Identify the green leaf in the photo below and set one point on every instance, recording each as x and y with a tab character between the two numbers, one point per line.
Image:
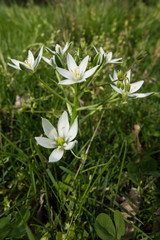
52	178
4	227
26	216
29	233
120	225
4	222
58	61
18	231
134	172
104	227
45	236
96	59
66	170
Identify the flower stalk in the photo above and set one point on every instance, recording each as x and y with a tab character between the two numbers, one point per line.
75	103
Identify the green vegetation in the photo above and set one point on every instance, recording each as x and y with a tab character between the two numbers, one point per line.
118	144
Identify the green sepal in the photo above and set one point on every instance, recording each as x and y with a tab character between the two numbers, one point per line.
58	61
96	59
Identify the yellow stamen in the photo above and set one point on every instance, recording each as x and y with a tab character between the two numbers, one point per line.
60	141
29	64
76	71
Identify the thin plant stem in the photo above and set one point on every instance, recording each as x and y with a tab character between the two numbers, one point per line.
94	133
53	91
75	103
86	85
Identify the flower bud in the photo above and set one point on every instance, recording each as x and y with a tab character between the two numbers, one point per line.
124	96
128	86
119	84
122	85
120	74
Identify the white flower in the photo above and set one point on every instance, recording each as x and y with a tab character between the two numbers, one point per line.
106	56
76	74
126	88
59	50
60	140
29	63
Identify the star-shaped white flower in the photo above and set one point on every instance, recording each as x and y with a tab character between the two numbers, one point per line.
59	50
29	63
60	140
126	88
75	74
106	56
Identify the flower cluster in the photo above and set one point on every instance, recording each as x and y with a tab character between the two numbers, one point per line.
75	72
107	57
122	85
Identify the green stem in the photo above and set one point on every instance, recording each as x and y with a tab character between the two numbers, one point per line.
75	103
53	91
86	85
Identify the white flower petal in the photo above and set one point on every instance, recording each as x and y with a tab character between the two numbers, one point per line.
65	73
102	51
71	62
56	155
95	49
63	125
49	50
45	142
90	72
115	60
73	130
67	82
116	89
82	80
115	75
14	66
16	62
30	57
49	130
66	47
112	79
83	64
36	62
140	95
25	65
129	75
109	57
47	60
70	145
135	86
58	49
